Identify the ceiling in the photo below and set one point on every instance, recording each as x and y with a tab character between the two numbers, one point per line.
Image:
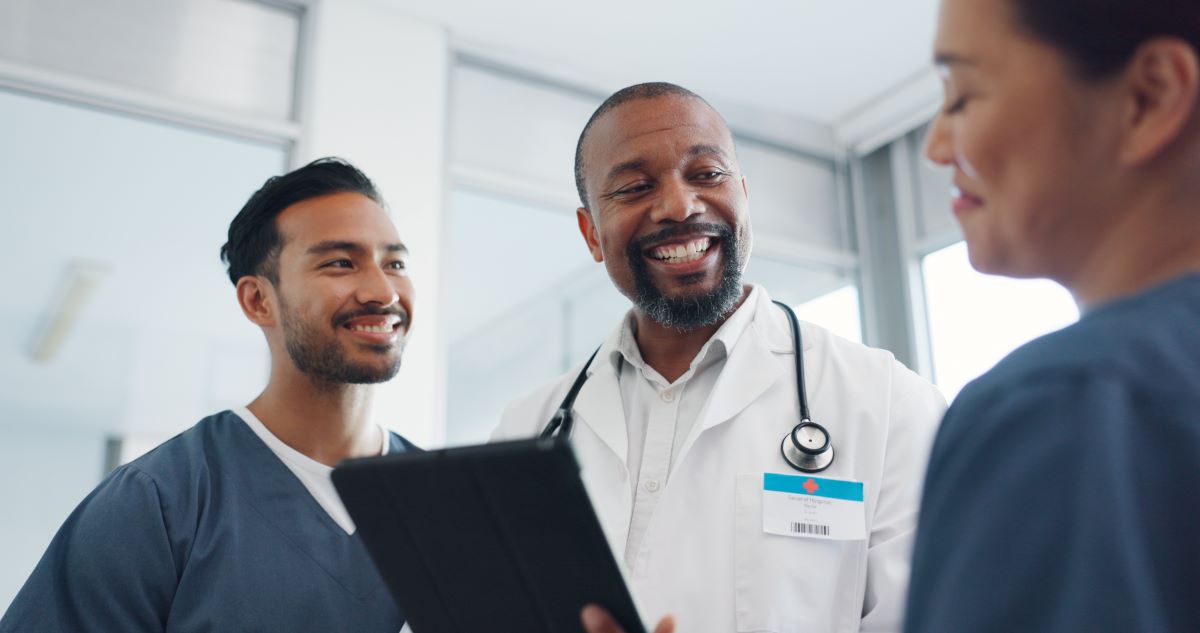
822	62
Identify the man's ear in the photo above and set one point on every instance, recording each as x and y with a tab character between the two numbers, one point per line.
1163	80
587	228
257	299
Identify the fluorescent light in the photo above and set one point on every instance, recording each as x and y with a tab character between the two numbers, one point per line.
79	282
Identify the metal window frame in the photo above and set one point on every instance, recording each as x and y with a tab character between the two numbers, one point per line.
31	80
491	181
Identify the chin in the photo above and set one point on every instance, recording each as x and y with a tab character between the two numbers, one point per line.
693	285
991	260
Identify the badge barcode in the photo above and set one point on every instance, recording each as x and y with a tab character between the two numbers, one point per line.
810	528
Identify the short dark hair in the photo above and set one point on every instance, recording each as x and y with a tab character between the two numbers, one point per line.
254	239
650	90
1101	36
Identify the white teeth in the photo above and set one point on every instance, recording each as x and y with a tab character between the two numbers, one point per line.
371	328
679	253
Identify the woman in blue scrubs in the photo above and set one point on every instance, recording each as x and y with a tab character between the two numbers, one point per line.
1062	489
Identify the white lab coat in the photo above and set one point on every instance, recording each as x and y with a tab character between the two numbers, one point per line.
705	557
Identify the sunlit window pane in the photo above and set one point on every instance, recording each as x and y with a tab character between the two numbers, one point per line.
975	319
825	296
836	311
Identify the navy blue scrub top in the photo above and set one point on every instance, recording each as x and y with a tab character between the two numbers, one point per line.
207	532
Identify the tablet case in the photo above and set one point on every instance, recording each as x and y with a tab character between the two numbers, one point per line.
484	539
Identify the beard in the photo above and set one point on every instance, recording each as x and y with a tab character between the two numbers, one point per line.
687	313
322	358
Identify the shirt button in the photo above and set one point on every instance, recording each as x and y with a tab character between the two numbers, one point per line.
651	486
668	396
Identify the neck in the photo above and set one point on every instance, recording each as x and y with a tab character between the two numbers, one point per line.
327	422
669	351
1150	245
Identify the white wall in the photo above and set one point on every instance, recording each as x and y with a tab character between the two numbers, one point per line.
376	96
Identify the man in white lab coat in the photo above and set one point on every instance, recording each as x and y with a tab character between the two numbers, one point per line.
680	423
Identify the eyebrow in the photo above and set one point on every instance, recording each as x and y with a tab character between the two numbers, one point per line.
629	165
639	163
697	150
952	59
329	246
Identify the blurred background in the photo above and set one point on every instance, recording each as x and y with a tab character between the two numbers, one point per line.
132	131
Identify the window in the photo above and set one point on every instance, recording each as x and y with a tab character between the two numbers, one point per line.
825	296
525	302
160	340
975	319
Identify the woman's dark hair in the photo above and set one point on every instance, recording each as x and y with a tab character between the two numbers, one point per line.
254	239
1100	36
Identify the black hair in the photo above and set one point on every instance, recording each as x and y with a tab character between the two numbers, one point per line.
1101	36
254	239
636	92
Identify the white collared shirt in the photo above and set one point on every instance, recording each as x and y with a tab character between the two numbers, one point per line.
660	415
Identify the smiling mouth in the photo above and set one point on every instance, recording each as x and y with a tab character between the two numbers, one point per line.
376	324
681	252
372	328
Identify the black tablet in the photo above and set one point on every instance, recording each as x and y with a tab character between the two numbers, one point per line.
481	539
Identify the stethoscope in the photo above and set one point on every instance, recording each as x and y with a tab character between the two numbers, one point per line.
808	448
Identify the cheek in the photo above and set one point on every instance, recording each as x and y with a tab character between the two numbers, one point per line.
975	151
407	292
614	241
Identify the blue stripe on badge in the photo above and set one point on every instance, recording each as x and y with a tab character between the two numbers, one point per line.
800	485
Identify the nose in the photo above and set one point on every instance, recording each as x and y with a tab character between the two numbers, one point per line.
376	287
676	202
938	148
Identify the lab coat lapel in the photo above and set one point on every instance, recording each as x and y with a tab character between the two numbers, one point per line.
751	369
599	405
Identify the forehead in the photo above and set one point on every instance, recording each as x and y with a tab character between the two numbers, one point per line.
966	26
670	123
345	216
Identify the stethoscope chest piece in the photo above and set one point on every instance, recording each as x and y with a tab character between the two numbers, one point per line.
807	448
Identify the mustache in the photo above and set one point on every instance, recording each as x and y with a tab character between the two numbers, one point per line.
395	310
684	231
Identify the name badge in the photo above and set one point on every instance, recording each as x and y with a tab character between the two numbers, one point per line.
813	507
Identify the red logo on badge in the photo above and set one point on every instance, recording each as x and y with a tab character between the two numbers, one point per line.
811	486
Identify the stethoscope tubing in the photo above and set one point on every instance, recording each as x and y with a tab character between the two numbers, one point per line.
562	423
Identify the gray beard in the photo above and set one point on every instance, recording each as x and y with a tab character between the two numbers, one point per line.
688	313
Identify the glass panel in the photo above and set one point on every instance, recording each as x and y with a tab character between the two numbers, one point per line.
516	128
159	342
826	297
836	311
792	197
525	303
975	319
235	54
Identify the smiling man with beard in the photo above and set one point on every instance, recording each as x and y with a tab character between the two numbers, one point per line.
234	524
680	421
